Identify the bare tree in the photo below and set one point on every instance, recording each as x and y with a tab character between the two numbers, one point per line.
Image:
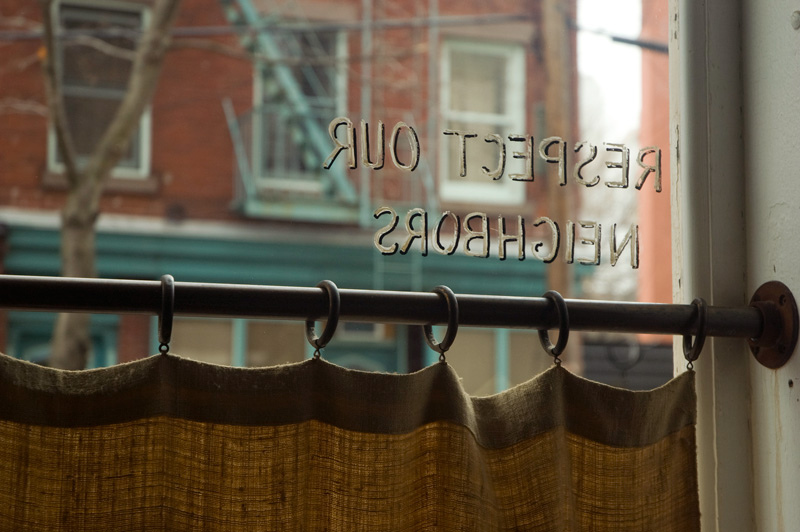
71	340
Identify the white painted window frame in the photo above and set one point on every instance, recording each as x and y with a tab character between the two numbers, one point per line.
733	133
142	169
504	191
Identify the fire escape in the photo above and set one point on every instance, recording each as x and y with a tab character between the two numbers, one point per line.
302	73
281	143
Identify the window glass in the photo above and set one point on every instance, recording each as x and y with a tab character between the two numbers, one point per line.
96	52
477	82
206	340
287	159
95	60
472	355
482	93
526	358
88	118
272	343
239	192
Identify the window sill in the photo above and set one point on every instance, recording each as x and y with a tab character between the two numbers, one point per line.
115	185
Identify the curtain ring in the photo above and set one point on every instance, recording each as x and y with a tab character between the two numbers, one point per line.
563	327
452	324
691	352
167	313
334	303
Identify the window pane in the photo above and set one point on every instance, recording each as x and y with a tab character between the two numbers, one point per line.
472	356
88	119
93	54
205	340
269	344
317	70
477	82
284	152
525	359
483	94
480	153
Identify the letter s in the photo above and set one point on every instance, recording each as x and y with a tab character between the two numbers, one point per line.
383	231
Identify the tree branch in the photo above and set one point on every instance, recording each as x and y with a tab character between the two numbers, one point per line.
55	97
29	107
141	86
103	46
211	46
18	21
184	43
20	64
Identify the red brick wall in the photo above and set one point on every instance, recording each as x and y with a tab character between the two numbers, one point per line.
655	278
192	154
192	146
402	87
22	135
133	340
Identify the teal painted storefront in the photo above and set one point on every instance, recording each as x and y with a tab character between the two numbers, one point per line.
350	260
29	333
229	260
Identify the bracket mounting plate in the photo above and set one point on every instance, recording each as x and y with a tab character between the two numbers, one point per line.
780	324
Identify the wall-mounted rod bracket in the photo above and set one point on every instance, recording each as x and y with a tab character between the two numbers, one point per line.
778	339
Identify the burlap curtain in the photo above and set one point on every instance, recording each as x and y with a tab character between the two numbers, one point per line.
170	444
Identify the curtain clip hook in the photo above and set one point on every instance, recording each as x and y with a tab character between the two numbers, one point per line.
692	351
563	327
167	312
334	305
452	324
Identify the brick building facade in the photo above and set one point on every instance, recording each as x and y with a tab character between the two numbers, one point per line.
225	180
241	197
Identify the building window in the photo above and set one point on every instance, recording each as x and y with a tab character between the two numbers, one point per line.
30	336
94	61
482	91
285	154
270	343
262	343
237	342
207	340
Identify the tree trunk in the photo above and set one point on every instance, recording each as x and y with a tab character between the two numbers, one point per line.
71	337
72	344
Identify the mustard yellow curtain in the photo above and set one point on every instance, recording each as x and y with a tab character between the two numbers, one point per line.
166	443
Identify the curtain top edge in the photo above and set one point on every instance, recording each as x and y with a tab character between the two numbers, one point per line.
349	399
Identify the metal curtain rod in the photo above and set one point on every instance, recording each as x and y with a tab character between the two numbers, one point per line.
770	322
